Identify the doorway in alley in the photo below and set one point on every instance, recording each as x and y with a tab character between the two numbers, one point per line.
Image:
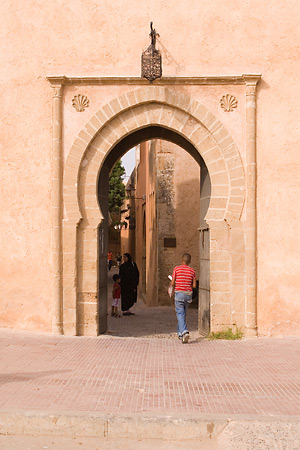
168	194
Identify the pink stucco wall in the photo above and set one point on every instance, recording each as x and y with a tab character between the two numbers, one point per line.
89	38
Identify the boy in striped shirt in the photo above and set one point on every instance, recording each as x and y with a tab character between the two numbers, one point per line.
184	280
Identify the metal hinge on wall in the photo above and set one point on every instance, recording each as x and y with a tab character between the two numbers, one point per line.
202	229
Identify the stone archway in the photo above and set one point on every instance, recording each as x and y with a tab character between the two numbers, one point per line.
150	106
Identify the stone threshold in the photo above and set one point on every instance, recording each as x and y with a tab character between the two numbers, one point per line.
145	426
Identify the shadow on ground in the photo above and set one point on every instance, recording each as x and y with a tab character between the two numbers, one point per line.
21	377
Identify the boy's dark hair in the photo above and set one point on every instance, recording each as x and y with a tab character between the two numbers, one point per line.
116	277
186	257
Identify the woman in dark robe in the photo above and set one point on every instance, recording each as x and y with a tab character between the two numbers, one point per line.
129	275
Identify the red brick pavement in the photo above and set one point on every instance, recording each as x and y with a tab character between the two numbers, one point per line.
116	375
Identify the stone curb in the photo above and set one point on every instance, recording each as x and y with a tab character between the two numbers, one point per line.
75	424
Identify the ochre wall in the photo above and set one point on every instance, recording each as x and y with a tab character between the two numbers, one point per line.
178	210
86	38
142	218
146	223
169	179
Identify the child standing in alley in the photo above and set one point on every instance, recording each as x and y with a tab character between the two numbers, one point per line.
116	295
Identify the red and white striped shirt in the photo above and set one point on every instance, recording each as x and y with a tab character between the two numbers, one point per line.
184	277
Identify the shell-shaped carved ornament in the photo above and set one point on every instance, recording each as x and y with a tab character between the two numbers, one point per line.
80	102
228	102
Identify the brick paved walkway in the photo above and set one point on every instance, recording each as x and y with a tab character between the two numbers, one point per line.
113	374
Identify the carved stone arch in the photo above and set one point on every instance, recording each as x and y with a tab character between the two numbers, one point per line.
136	110
159	106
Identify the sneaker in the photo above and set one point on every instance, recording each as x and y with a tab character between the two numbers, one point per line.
179	337
185	337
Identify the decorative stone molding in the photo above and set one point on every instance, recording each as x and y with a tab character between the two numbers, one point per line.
251	225
83	215
57	91
57	199
131	111
251	90
80	102
180	106
228	102
163	81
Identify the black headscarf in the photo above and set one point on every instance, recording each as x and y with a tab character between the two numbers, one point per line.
129	257
129	273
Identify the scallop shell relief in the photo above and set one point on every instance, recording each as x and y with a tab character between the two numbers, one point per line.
80	102
228	102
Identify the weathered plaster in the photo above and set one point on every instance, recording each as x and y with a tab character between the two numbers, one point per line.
82	39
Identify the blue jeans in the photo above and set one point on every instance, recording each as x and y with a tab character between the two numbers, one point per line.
181	305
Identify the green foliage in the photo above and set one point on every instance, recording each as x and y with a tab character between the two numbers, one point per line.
116	193
228	334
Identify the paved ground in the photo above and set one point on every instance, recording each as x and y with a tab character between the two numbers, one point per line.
157	323
141	368
85	443
138	375
235	438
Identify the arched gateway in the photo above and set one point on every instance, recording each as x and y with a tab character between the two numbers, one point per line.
141	109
